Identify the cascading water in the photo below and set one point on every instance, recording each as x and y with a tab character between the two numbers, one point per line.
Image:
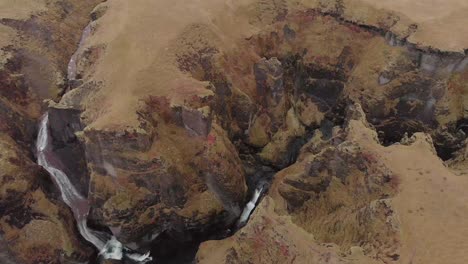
72	64
109	247
250	207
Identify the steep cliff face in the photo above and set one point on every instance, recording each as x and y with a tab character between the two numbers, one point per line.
162	119
35	224
36	40
316	63
352	200
340	191
271	238
164	166
264	75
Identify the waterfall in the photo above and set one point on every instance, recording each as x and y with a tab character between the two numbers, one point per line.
109	247
72	64
250	207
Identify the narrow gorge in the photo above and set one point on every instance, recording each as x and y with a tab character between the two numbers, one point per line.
108	247
280	131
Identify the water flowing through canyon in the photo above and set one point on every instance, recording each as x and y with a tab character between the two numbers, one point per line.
248	132
109	247
72	64
249	208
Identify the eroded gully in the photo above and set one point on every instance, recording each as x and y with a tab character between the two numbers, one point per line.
107	245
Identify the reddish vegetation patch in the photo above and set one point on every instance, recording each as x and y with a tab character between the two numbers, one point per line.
322	59
13	89
283	248
457	84
3	124
160	105
305	16
354	28
258	239
369	157
211	139
16	161
190	61
131	135
395	181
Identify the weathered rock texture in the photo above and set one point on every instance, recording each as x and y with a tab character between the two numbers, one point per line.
172	100
35	225
340	191
351	200
165	114
270	238
36	40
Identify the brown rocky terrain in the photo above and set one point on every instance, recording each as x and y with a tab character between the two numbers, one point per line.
352	113
352	200
36	40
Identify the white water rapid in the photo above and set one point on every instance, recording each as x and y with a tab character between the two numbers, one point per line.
109	247
250	207
72	64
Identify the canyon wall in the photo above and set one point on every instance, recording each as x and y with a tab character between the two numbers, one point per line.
36	40
174	112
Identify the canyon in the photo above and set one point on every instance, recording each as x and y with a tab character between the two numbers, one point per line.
252	131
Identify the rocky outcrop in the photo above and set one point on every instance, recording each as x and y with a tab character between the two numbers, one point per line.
165	134
323	193
351	195
35	224
171	169
68	147
317	203
164	121
37	39
271	238
155	184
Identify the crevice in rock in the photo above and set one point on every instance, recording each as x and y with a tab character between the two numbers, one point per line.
394	39
299	82
446	141
324	88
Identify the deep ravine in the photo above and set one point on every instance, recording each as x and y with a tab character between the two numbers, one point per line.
108	246
249	208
